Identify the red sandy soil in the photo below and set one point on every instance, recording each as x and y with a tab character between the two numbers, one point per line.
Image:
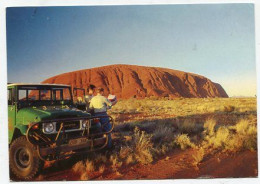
175	165
126	81
178	165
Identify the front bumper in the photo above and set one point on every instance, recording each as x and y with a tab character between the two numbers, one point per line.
91	145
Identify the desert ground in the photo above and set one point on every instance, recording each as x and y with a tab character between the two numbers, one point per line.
162	138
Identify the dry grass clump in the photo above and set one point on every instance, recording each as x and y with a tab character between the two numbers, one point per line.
198	156
142	146
245	136
130	159
125	151
234	138
116	163
138	149
183	141
245	127
101	168
218	139
89	166
84	168
209	127
79	167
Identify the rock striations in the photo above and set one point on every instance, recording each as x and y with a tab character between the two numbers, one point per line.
128	81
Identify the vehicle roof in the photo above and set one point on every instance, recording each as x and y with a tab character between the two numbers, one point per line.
31	84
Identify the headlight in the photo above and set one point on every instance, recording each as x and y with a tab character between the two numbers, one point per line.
48	127
84	123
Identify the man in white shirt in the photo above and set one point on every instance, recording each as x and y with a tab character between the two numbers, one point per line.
100	104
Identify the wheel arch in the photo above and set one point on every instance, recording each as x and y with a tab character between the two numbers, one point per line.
17	133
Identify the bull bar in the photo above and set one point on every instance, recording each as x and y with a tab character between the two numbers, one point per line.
60	146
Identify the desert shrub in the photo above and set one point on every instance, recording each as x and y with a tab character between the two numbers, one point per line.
242	127
164	149
116	163
229	108
142	146
138	149
250	142
125	151
183	141
101	169
189	127
248	133
90	166
219	139
146	126
130	159
163	133
234	138
79	167
209	127
234	143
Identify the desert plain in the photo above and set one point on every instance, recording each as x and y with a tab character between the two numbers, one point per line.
163	138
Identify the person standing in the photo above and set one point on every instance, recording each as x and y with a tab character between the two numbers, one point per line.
100	104
90	90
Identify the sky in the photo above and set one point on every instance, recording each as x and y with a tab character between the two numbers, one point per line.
216	41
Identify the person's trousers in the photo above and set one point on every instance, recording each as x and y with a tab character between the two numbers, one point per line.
106	126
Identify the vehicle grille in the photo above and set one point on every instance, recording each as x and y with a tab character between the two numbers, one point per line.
73	125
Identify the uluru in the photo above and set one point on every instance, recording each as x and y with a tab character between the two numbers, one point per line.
127	81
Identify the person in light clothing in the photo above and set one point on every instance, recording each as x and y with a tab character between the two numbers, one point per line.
100	104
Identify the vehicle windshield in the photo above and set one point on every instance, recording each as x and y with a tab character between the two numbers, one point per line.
44	95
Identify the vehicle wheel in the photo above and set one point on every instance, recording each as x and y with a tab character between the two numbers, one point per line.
24	161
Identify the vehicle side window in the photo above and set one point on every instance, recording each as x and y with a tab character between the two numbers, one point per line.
66	94
22	95
33	94
9	96
57	95
45	94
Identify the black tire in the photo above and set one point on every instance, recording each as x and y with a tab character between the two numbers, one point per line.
23	159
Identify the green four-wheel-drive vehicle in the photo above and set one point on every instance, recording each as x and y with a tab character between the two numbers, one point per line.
44	125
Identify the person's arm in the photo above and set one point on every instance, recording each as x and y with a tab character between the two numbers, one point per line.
107	102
